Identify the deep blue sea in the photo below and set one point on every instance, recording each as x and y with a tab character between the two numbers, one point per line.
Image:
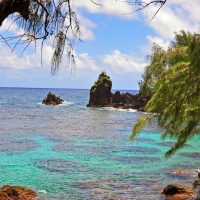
71	152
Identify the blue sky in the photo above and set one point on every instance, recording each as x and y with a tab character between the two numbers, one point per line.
114	41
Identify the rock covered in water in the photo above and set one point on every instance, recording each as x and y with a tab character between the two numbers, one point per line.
101	96
100	92
52	99
178	192
16	193
179	172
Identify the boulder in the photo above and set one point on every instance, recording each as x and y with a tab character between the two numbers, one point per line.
100	92
16	193
178	192
52	99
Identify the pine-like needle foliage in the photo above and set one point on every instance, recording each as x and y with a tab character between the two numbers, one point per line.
173	79
54	20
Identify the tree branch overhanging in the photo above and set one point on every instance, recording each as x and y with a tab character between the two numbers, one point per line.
54	20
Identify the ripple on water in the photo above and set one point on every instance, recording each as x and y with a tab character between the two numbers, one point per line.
114	189
61	166
136	159
195	155
139	149
169	144
150	140
17	146
108	189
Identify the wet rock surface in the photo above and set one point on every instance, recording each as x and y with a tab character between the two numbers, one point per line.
16	193
178	192
52	99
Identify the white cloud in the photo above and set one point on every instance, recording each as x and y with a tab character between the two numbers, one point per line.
119	62
11	60
87	27
120	9
159	41
84	62
173	17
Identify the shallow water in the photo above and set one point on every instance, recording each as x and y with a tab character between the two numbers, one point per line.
73	152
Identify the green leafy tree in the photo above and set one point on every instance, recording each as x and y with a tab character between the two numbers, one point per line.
153	71
175	88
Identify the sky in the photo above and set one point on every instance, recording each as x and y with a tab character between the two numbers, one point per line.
115	39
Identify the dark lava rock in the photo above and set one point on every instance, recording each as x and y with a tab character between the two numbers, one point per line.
16	193
127	100
100	92
52	99
101	96
178	192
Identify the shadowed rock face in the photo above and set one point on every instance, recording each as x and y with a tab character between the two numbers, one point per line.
127	100
52	99
101	96
16	193
100	92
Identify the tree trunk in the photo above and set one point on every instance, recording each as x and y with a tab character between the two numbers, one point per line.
8	7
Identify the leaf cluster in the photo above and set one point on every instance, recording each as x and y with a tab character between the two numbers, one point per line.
175	89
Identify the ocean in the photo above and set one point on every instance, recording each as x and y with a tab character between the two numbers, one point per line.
71	152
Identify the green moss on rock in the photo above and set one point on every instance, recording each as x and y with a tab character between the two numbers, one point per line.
100	92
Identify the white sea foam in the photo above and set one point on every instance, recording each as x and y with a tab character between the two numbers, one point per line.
65	103
42	191
118	109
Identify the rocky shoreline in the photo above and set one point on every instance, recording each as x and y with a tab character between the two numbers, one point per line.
16	193
101	96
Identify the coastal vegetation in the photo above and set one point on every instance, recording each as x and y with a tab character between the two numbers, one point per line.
103	79
173	81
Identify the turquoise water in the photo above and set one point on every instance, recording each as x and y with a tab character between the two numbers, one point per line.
74	152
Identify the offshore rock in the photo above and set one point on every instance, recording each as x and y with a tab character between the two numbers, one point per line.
52	99
127	101
16	193
101	96
100	92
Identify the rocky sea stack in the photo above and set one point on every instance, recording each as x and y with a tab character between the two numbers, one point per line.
52	99
16	193
100	92
101	96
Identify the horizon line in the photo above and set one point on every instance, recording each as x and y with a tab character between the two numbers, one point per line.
20	87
